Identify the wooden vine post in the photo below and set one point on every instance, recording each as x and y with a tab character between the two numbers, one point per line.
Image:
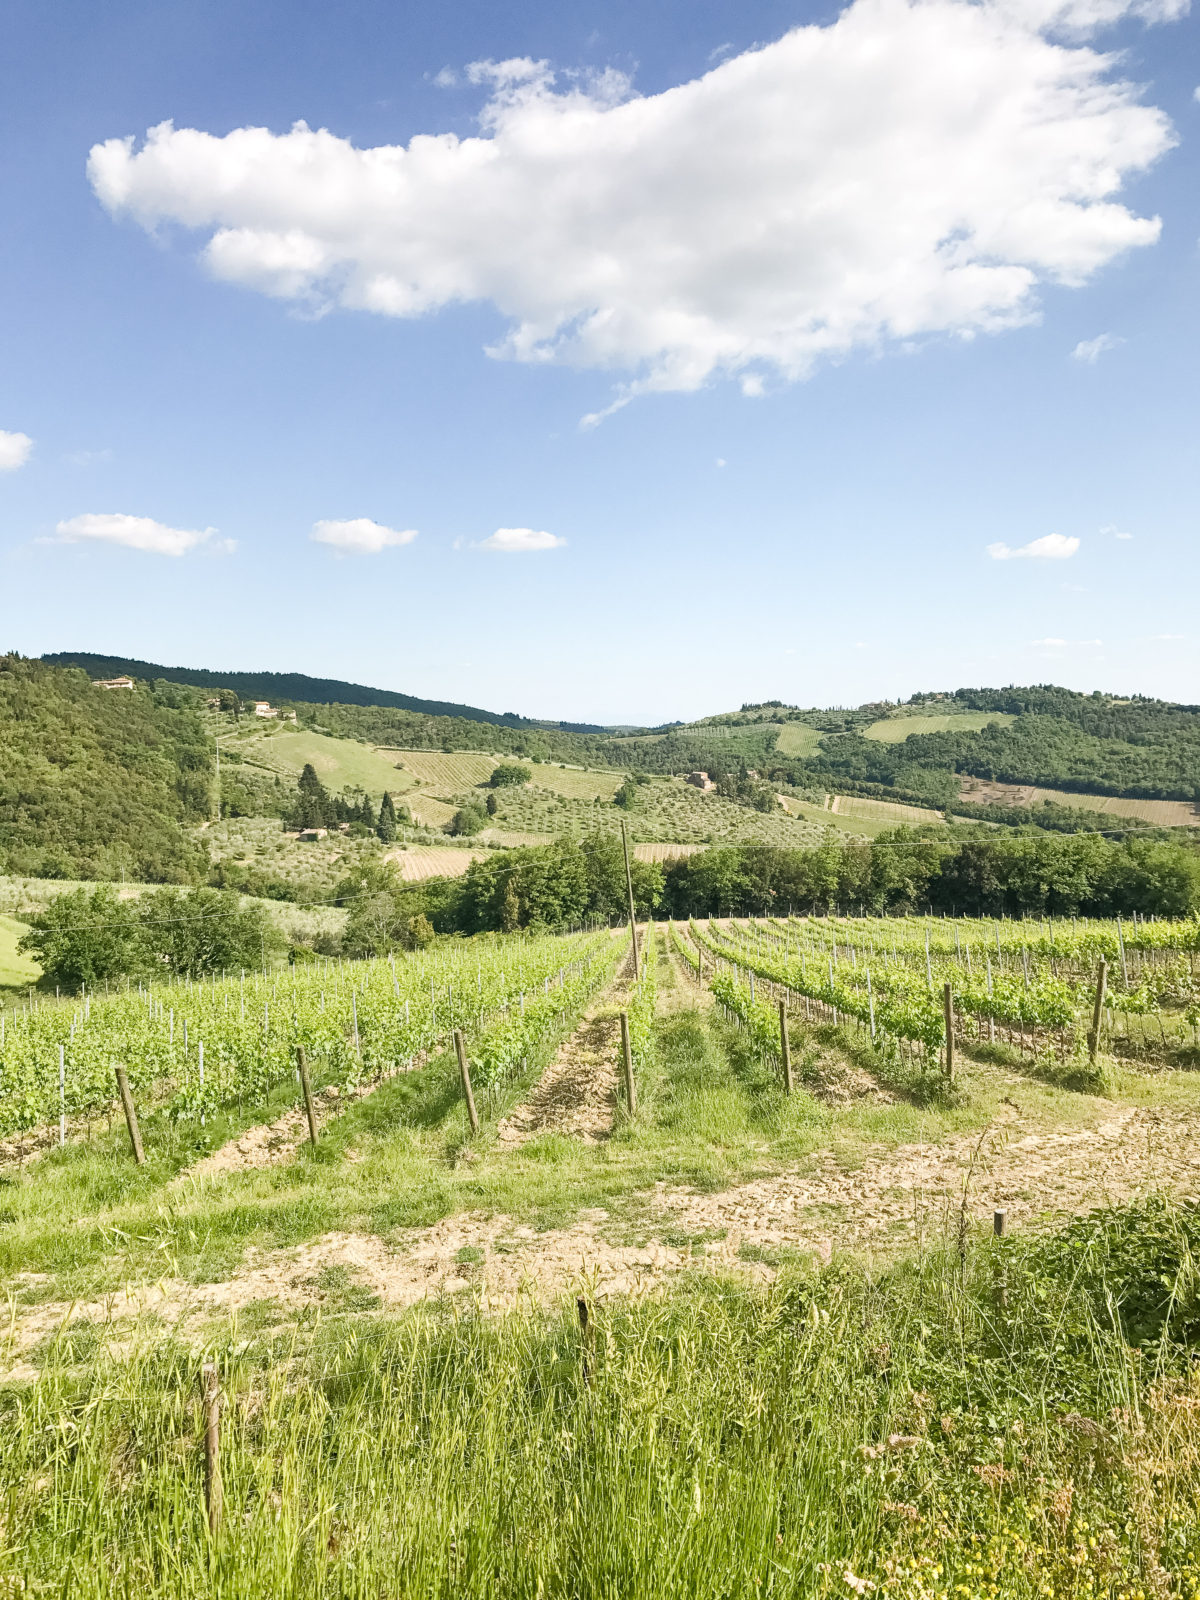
465	1073
785	1050
131	1121
587	1340
309	1109
212	1446
632	917
948	1006
627	1060
1098	1011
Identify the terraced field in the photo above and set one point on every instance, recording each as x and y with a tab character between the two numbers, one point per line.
665	852
1159	813
888	812
444	773
417	862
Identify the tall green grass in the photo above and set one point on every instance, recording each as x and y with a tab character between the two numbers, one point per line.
1005	1418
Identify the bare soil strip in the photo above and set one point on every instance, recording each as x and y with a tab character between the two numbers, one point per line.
893	1199
273	1142
577	1093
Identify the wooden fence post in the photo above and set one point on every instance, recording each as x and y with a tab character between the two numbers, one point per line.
587	1340
306	1087
785	1050
131	1121
948	1006
637	973
212	1446
1098	1011
627	1056
465	1073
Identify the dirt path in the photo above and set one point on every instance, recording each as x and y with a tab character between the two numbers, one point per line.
577	1093
895	1198
898	1196
271	1143
685	994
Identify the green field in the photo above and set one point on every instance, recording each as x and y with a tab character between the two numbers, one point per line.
443	772
665	809
894	730
339	763
16	970
797	739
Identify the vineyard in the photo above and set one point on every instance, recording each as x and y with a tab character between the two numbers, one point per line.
193	1048
299	1364
1053	991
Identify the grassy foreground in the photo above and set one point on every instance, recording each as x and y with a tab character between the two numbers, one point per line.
1014	1417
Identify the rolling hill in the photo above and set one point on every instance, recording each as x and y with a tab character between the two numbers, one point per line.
96	784
288	687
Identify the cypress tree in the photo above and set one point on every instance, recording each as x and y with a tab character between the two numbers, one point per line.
386	827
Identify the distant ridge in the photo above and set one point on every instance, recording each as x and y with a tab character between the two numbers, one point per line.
298	686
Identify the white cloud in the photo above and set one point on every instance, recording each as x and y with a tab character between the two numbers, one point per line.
1051	547
89	458
1050	644
721	462
914	168
15	450
1163	637
139	533
1090	350
360	535
515	540
1117	533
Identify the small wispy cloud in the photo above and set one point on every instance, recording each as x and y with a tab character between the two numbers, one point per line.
89	458
1051	547
360	536
1159	638
15	449
593	419
1111	529
139	533
515	541
1065	644
447	78
1090	350
721	462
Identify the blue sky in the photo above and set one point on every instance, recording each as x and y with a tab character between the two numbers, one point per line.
865	310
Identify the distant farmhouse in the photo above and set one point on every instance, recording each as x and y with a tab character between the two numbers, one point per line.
112	683
701	781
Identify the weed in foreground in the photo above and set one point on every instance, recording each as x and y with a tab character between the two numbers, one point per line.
1020	1421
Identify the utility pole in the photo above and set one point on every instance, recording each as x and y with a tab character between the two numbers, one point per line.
632	918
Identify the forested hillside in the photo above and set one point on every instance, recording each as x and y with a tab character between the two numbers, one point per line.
97	784
1157	755
290	687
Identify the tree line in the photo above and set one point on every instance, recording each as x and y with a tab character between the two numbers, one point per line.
569	882
93	937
